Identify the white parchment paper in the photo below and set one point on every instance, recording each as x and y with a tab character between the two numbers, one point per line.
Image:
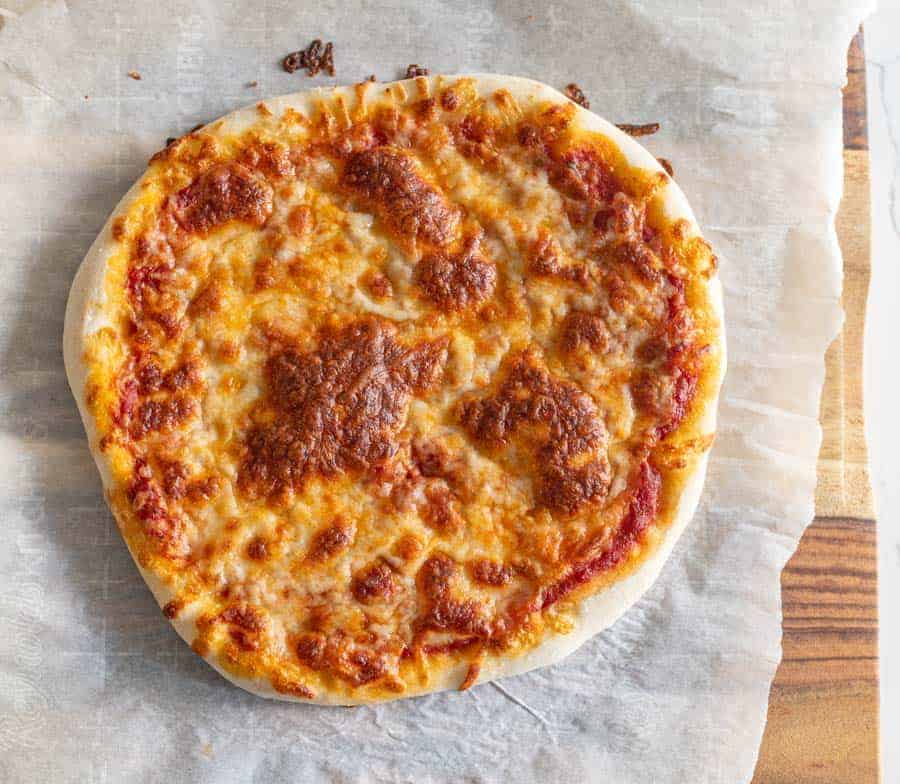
95	686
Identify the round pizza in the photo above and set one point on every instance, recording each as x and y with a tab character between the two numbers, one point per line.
397	388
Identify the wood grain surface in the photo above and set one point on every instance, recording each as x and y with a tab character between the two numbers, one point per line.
823	707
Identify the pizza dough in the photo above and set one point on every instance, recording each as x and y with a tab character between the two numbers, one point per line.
398	388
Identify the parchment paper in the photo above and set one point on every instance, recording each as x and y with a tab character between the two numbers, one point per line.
95	686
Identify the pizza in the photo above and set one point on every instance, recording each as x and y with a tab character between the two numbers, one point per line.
396	388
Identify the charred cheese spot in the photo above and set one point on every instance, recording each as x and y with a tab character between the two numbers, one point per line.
436	576
171	609
245	626
174	477
547	261
331	540
300	220
581	329
455	282
223	193
466	617
475	138
582	174
258	548
441	511
487	572
293	688
265	274
207	301
374	583
228	351
184	376
337	408
387	181
427	109
311	650
162	415
559	425
433	459
639	258
408	548
149	377
270	158
346	658
119	228
377	284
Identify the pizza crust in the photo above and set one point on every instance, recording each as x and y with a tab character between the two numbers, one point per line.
85	315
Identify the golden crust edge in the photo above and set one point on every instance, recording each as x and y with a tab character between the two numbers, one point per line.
84	316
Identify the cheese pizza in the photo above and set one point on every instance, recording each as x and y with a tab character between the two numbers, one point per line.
401	387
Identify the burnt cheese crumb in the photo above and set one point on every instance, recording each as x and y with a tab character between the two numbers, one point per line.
575	93
638	130
315	58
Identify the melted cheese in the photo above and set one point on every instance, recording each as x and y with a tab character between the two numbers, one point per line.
356	482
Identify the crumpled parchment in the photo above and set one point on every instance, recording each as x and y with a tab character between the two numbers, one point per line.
96	687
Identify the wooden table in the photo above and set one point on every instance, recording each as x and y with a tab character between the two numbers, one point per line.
823	707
